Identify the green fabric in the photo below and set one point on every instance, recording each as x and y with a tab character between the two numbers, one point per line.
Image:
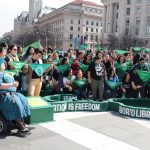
71	60
36	44
83	46
83	66
144	75
121	69
112	85
80	83
137	49
62	68
99	48
18	64
59	52
12	72
39	68
56	62
120	52
147	50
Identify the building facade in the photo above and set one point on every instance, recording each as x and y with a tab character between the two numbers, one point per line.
127	18
67	27
73	24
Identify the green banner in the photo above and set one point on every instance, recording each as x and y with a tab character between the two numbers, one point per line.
120	52
112	85
36	44
80	83
39	68
144	75
18	64
80	106
62	68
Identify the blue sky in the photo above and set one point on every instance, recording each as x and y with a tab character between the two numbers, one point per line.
9	9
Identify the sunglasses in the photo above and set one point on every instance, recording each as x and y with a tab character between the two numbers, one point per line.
15	49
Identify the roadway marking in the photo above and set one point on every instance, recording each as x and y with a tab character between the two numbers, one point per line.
82	135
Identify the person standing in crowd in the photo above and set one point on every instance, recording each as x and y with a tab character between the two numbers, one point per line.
12	56
68	79
34	81
125	86
13	104
80	86
96	77
29	53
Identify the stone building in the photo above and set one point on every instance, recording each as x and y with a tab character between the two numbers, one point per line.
67	27
127	18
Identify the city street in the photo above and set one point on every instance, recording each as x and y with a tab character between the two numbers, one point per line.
84	131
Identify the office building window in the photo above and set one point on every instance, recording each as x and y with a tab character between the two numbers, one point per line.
78	21
86	37
87	22
96	38
127	21
128	2
148	30
128	11
117	15
97	24
97	30
71	45
92	30
71	36
71	28
138	20
71	21
148	9
86	29
91	37
138	10
137	31
92	23
126	31
138	1
78	28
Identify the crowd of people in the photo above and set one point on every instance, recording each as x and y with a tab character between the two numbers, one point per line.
87	73
94	74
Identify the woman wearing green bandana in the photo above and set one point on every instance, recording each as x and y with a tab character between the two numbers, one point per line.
13	105
68	80
80	86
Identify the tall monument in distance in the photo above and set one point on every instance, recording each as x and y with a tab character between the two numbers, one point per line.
34	7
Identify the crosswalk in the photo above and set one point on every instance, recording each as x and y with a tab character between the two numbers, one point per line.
87	137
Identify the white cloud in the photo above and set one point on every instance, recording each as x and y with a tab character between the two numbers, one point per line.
9	9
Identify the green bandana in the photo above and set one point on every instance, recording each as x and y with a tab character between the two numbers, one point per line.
120	52
56	62
147	50
112	85
121	69
80	83
62	68
12	72
39	68
144	76
137	49
83	67
18	64
36	44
